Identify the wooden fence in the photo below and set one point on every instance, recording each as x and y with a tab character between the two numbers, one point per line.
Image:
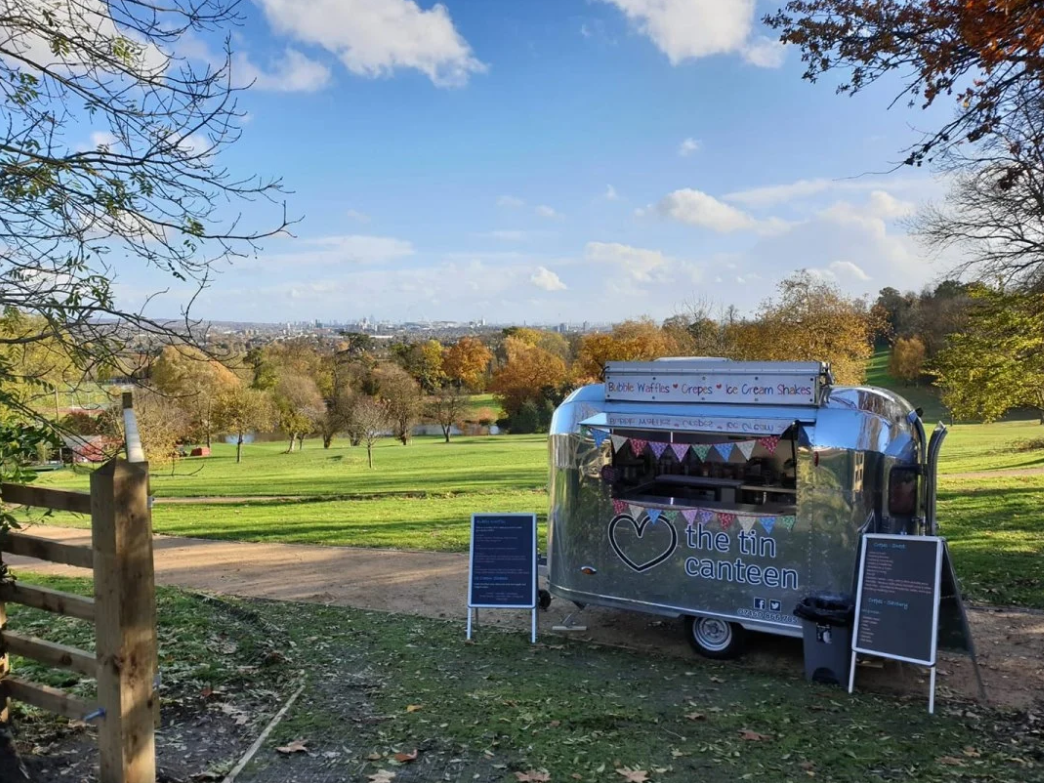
123	612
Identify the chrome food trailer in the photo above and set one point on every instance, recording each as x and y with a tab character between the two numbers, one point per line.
726	492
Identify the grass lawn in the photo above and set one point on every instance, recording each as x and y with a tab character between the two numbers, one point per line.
921	396
380	685
428	466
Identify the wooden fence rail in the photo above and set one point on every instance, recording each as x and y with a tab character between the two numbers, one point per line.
123	612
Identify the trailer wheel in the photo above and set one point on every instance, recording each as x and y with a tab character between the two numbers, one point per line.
545	599
713	637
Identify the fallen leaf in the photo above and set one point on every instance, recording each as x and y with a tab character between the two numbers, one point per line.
696	716
807	765
382	776
950	761
555	724
374	757
678	753
577	776
413	707
716	679
297	746
406	758
633	775
533	776
971	752
753	736
207	692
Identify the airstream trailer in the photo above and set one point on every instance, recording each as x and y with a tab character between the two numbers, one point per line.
726	492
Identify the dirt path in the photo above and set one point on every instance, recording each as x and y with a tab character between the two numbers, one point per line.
1010	641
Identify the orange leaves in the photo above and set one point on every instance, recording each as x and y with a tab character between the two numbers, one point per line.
533	776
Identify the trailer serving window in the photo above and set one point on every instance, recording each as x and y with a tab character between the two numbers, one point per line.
738	473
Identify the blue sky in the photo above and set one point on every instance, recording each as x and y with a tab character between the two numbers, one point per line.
554	160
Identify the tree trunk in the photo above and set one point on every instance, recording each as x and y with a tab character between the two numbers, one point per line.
239	449
290	448
369	454
446	432
327	439
300	442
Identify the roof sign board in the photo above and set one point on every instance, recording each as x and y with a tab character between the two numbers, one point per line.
787	383
657	421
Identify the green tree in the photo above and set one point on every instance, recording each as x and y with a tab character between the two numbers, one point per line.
997	363
299	408
369	422
240	410
447	408
423	361
402	399
907	360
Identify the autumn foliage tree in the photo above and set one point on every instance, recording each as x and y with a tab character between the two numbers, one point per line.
529	374
907	360
979	55
810	321
640	340
241	410
466	361
194	381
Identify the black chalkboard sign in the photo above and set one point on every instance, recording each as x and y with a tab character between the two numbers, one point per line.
503	561
897	597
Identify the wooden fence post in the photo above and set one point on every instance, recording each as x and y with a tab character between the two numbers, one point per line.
125	597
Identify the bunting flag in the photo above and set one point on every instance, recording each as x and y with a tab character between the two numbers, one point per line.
702	450
768	523
680	449
636	511
599	437
706	516
619	507
654	514
747	522
726	520
724	449
690	516
769	443
746	447
638	446
788	522
658	448
618	441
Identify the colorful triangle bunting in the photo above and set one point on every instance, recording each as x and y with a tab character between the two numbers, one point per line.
724	449
706	516
658	448
638	446
747	522
768	523
769	443
599	437
788	522
619	507
636	511
618	441
726	520
690	516
654	514
680	450
746	447
702	450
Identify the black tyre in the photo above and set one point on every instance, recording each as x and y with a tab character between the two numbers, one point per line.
715	638
544	599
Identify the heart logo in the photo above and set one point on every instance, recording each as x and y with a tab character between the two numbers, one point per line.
639	530
675	385
718	386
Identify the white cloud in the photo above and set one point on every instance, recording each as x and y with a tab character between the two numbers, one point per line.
610	193
689	146
292	72
377	37
689	29
547	212
849	268
640	264
546	279
886	206
103	139
585	31
510	201
342	249
696	208
770	195
357	216
765	52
